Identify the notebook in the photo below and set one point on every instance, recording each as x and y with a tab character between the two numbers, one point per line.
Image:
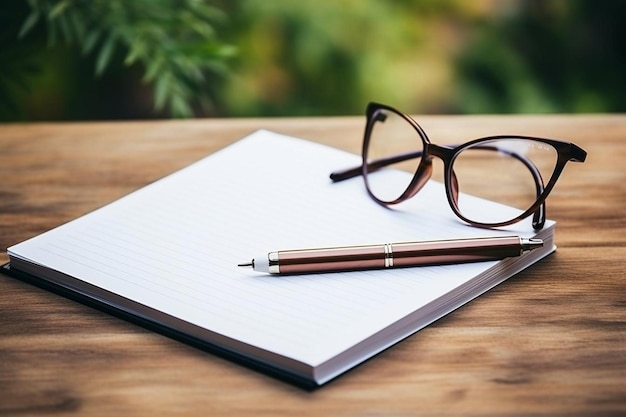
166	256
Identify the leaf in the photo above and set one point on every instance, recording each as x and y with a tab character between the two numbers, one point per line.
179	107
161	88
58	9
91	40
104	57
28	24
65	28
137	50
78	25
153	68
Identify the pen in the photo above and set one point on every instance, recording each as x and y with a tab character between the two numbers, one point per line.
390	255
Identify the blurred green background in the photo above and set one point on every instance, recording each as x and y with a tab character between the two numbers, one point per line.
138	59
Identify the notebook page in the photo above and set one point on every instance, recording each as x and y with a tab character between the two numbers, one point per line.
174	246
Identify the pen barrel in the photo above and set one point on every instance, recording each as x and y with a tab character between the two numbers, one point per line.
329	259
394	255
449	251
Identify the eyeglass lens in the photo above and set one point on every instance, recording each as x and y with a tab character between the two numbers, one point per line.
510	171
391	136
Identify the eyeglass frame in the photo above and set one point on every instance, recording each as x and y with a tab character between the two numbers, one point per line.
566	152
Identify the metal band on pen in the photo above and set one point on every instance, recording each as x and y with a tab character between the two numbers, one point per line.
388	255
274	265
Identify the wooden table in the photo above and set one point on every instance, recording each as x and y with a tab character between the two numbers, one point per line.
550	341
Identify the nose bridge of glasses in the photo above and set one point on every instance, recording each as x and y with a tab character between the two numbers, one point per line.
444	153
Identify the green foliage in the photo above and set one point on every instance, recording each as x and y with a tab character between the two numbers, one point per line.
15	64
173	40
309	57
546	56
312	57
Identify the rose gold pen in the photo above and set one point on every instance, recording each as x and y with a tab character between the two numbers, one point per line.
390	255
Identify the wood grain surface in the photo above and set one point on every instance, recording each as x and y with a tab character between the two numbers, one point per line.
549	341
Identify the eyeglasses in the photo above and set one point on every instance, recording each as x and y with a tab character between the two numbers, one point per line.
507	169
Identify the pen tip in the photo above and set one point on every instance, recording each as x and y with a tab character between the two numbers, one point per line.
530	244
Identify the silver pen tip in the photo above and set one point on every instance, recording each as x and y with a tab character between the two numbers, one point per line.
530	244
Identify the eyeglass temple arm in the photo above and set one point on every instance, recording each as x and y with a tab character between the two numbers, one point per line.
342	175
539	216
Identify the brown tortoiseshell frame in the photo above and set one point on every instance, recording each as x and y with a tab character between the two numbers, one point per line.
566	152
